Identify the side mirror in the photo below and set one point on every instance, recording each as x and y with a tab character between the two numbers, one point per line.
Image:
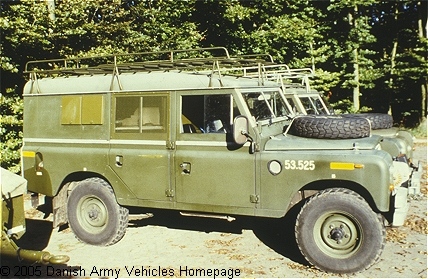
240	130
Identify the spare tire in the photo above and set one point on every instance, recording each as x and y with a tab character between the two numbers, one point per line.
331	127
377	120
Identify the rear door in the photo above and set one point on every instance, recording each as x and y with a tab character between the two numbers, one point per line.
140	153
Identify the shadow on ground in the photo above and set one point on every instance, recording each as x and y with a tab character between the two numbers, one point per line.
35	239
276	233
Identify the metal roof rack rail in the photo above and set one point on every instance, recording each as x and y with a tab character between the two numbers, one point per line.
212	61
75	65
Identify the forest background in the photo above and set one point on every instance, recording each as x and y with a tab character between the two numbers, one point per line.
369	55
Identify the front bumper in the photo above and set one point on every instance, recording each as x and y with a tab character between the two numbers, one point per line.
415	179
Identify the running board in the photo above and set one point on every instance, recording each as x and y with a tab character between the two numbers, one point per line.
228	218
137	217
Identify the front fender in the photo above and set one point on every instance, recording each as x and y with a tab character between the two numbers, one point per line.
281	179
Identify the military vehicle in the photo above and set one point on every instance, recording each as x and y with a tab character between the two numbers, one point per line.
12	219
187	130
306	101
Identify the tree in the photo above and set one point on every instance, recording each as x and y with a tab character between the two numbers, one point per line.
403	48
34	30
352	31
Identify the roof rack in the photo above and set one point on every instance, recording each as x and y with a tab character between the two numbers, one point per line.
108	62
213	61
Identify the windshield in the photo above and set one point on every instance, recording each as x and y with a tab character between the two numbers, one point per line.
313	105
265	105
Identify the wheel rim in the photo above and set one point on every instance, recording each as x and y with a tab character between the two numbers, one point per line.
92	214
338	234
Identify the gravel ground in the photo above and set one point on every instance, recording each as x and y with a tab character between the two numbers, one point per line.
169	244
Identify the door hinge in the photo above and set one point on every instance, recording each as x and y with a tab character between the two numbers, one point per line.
170	145
254	198
169	193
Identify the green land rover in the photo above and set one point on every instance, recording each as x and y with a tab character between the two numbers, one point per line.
188	130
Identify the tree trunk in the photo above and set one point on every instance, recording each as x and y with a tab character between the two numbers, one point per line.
356	89
51	9
424	85
393	55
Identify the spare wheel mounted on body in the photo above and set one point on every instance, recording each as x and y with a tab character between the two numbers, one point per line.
331	127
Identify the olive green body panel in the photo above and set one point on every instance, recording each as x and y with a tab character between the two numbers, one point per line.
143	167
207	173
323	169
70	159
65	149
396	142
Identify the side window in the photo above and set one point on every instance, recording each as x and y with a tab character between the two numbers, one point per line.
294	106
207	113
311	105
140	114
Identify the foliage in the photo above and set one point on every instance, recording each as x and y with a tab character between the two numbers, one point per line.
421	130
372	48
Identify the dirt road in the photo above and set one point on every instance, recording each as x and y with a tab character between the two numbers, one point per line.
170	245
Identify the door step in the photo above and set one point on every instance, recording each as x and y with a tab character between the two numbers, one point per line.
223	217
136	217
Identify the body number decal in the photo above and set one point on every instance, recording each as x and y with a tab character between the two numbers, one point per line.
299	164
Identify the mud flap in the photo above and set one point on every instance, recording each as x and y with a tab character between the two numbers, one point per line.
59	205
401	207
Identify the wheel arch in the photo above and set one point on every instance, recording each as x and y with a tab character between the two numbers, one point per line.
79	176
316	186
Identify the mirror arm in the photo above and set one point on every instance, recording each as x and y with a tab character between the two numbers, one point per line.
245	133
251	140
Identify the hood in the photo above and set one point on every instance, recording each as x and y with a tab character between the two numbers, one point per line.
290	142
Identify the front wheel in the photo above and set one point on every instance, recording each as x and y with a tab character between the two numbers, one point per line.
337	231
94	215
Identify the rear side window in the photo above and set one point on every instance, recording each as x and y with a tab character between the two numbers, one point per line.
140	114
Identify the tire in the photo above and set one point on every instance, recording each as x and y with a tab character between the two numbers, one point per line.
94	215
331	127
377	120
337	231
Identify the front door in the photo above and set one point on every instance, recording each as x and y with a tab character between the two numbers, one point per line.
139	152
210	169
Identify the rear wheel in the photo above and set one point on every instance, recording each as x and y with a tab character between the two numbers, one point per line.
94	215
337	231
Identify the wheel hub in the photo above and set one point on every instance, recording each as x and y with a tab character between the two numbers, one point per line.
339	234
93	214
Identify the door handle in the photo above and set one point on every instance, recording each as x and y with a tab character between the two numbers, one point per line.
185	167
119	161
